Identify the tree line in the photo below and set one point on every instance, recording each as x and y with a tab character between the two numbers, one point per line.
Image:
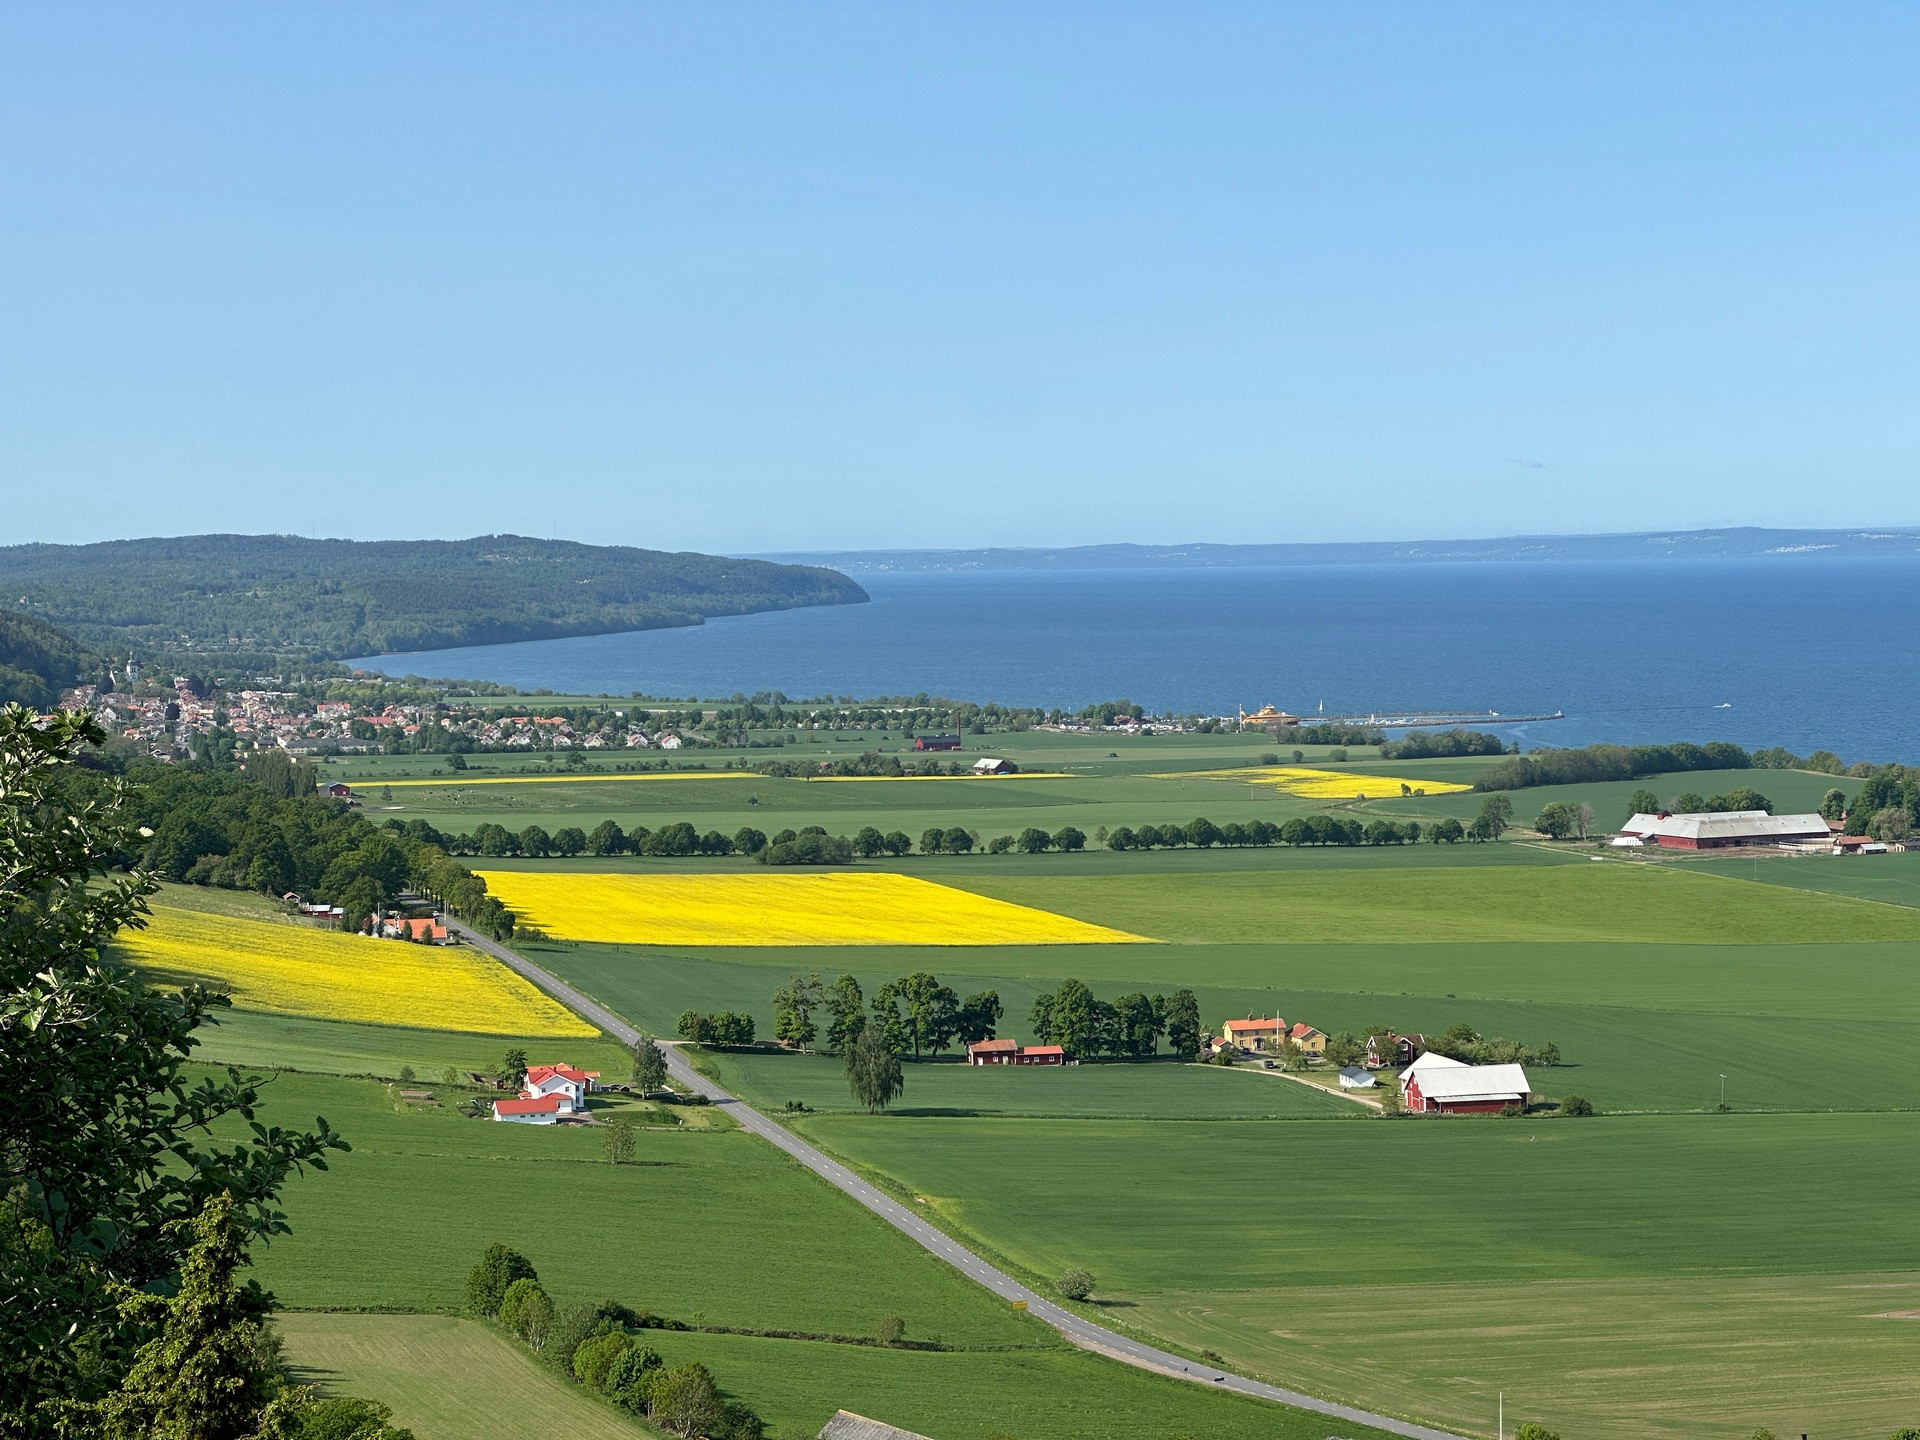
1130	1027
1609	762
594	1345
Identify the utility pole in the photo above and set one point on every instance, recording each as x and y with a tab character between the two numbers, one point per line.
1723	1092
1500	1425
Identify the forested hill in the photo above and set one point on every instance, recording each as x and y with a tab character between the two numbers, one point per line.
331	599
37	662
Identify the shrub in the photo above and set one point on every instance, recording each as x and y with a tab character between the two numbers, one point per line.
737	1422
1531	1431
1076	1284
890	1330
1576	1105
627	1377
488	1282
345	1417
595	1357
684	1401
527	1312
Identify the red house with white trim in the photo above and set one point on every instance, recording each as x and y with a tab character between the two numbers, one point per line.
1012	1052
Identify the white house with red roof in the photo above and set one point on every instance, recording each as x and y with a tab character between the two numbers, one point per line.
549	1092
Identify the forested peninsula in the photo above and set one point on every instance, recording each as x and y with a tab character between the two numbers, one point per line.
288	597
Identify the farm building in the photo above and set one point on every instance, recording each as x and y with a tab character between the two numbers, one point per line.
1355	1077
1717	830
986	765
1857	845
936	742
845	1425
1012	1052
338	791
523	1111
1436	1085
1251	1034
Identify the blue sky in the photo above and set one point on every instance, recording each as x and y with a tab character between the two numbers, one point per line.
744	278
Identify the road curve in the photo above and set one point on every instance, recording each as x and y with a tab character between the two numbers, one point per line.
1082	1332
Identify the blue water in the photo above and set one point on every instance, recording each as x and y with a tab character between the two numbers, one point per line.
1801	652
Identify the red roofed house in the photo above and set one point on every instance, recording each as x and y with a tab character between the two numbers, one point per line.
426	930
1012	1052
563	1082
1310	1040
993	1052
544	1110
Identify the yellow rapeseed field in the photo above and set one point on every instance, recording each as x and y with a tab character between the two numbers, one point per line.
293	970
1323	784
837	908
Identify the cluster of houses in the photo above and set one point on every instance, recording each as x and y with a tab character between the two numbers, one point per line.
397	925
1807	834
549	1095
1430	1083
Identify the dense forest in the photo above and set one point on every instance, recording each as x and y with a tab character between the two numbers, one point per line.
283	595
37	662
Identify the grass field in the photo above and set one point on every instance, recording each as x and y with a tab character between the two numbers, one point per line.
1332	1238
714	1229
837	908
1661	1270
446	1379
295	970
260	1040
1615	901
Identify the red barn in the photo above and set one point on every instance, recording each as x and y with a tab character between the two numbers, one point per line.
1435	1085
1012	1052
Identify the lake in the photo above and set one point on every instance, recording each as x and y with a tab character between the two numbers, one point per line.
1804	652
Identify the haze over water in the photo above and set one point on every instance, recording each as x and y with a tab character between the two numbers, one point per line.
1801	652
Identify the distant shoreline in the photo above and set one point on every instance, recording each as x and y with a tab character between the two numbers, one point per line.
1741	543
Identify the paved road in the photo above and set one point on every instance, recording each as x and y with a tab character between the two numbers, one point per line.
1081	1331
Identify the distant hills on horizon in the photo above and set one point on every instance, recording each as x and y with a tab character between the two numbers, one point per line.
1740	543
262	599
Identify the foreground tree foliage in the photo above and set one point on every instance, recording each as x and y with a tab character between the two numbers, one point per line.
105	1139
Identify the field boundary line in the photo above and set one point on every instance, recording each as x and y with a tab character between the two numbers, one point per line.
1081	1332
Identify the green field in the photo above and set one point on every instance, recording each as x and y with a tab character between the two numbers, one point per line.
715	1229
454	1379
1555	1245
1661	1270
445	1379
1618	901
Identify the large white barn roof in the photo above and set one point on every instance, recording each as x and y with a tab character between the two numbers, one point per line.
1728	825
1454	1081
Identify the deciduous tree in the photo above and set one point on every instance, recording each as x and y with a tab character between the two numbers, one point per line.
873	1071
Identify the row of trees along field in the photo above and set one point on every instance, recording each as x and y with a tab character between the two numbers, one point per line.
124	1226
918	1015
1631	762
267	829
594	1345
